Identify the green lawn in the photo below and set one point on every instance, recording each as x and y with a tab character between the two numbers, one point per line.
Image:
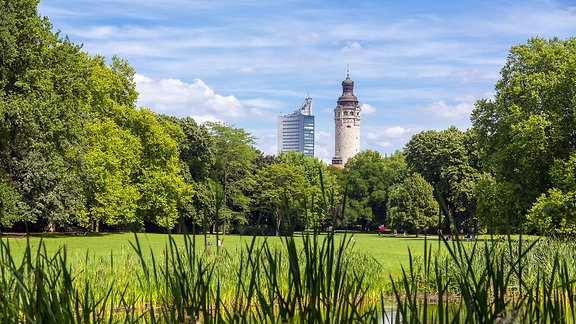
391	252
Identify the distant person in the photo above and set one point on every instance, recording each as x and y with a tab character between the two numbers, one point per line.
219	242
381	229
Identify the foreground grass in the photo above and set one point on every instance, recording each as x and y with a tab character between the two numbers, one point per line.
309	278
110	257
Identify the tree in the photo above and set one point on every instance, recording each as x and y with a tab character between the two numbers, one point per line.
283	192
43	107
196	148
368	176
234	161
196	152
8	199
495	204
321	182
554	212
73	146
530	122
448	161
162	186
412	206
112	161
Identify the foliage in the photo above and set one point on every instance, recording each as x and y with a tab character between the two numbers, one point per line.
530	122
74	148
448	161
234	161
320	183
313	278
412	206
367	177
112	161
8	201
554	213
495	204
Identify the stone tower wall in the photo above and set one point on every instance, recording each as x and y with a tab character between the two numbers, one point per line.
347	128
346	124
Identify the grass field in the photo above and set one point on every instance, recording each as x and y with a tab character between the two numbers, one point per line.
390	252
498	278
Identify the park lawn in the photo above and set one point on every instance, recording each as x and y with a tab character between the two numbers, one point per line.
390	252
103	259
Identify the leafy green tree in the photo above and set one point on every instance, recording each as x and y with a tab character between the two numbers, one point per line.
366	182
162	186
321	182
196	149
563	173
412	206
43	108
495	203
448	161
234	161
530	121
8	199
366	179
283	192
112	161
73	146
554	212
112	90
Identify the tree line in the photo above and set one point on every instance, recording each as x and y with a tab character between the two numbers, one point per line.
76	153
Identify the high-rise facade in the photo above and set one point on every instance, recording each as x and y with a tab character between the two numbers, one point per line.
296	130
346	124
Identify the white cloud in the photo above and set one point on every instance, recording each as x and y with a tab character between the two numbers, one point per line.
177	98
352	47
368	109
247	69
324	146
440	109
390	133
262	103
389	137
266	140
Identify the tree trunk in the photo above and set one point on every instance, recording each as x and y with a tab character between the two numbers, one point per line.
278	219
50	228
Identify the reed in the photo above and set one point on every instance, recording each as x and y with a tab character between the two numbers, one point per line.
308	278
494	281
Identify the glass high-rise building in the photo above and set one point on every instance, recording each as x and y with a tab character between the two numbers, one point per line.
296	131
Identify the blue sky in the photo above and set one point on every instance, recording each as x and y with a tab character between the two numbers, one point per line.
417	65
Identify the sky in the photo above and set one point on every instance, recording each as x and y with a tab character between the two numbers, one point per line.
417	65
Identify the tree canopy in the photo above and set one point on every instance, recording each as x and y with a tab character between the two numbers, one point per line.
448	161
531	121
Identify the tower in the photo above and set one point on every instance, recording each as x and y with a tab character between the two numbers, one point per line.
346	124
296	131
